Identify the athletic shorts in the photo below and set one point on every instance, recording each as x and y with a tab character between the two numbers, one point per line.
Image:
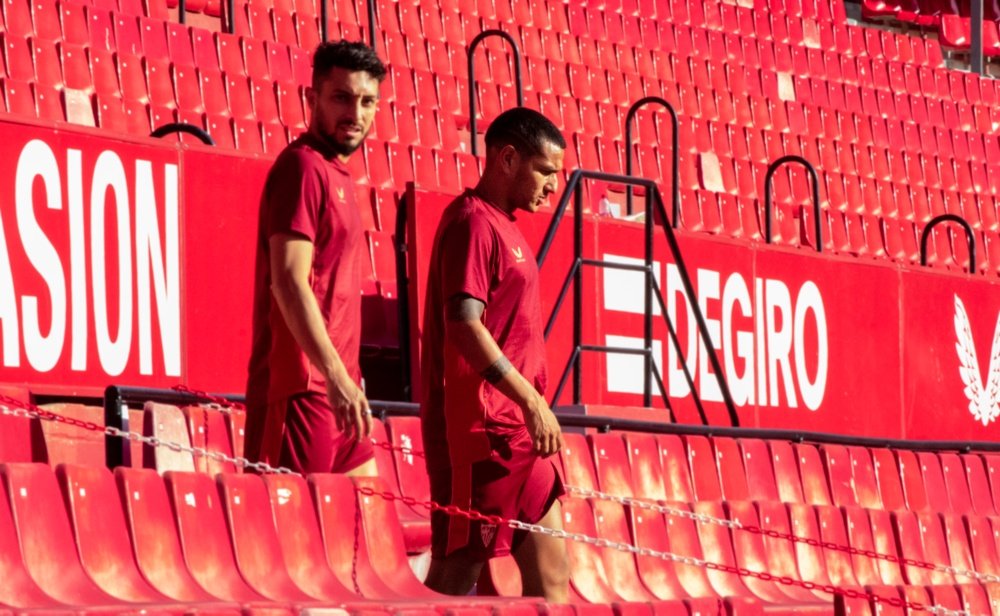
514	483
300	433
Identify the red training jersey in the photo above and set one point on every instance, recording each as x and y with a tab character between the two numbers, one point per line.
308	193
478	251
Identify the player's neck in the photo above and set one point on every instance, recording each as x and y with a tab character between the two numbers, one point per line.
495	193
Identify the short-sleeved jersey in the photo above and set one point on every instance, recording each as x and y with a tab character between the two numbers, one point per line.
479	252
308	193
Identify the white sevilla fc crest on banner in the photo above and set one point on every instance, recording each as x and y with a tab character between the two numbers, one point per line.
984	402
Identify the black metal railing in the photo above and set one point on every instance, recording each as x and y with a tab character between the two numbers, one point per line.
119	399
182	127
969	237
472	78
675	191
768	206
653	206
403	291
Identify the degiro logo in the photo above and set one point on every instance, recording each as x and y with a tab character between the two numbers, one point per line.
984	402
759	327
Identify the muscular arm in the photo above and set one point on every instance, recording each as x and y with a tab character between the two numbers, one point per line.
465	330
291	262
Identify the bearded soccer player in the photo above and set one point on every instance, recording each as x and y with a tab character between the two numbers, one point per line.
488	432
305	406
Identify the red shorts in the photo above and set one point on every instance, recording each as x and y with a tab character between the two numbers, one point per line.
514	483
300	433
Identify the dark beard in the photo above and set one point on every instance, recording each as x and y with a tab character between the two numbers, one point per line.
339	148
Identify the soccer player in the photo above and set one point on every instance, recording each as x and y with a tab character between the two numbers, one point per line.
488	432
305	407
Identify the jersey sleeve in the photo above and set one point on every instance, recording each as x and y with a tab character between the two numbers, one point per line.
468	259
295	196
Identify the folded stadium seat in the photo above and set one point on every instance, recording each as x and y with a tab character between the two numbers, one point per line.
398	470
644	458
44	533
983	539
577	462
981	498
786	471
733	476
704	470
815	489
911	478
959	544
19	590
221	130
948	475
759	470
863	482
207	547
265	105
779	552
811	559
17	57
425	173
887	474
247	136
955	34
611	463
589	579
717	547
913	544
620	567
660	577
859	536
257	547
839	471
102	536
749	551
975	600
208	429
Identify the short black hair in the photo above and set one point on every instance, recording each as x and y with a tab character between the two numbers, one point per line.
525	129
350	55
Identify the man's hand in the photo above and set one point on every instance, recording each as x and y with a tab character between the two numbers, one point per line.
350	407
546	435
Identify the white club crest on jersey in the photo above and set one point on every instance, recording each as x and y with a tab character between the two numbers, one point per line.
984	402
487	532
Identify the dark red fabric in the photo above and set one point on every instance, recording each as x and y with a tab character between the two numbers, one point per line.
514	484
308	193
478	251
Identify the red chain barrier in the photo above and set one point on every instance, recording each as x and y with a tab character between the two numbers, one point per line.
454	510
849	593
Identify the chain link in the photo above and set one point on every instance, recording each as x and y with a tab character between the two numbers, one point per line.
12	407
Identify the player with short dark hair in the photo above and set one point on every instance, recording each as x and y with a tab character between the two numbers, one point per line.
305	406
488	432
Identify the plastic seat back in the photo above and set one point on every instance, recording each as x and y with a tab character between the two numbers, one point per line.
98	521
865	482
839	471
956	482
912	480
587	575
759	469
578	464
611	464
204	538
732	475
45	535
786	472
612	524
167	423
890	487
815	489
676	473
704	472
644	459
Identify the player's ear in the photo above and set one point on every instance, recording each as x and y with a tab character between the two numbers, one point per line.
311	96
508	158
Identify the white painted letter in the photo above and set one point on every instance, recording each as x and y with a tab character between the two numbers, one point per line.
37	160
166	284
742	387
812	391
678	384
77	261
779	341
109	172
708	384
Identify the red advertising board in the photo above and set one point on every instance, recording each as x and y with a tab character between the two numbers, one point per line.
91	277
950	357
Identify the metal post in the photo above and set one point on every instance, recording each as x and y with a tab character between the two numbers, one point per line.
117	450
647	317
474	148
324	17
181	11
577	291
370	5
976	40
230	11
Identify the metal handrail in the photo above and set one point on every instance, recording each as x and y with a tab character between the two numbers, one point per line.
370	6
230	20
654	201
675	190
403	290
969	236
472	78
183	127
815	196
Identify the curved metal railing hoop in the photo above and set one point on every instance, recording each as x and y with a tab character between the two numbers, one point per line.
474	148
772	168
970	237
182	127
675	196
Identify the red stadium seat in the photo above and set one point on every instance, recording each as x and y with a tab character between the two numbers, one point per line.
611	463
